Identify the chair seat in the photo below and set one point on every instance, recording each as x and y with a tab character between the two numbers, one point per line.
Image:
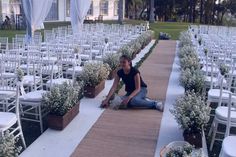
8	75
214	80
5	94
206	69
28	80
7	120
78	70
84	56
222	113
98	57
58	81
215	94
53	59
228	147
34	96
47	69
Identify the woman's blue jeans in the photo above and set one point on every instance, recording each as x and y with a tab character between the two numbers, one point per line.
139	100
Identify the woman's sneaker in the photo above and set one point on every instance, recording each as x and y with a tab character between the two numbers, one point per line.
160	106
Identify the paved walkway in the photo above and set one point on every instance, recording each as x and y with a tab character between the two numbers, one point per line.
132	133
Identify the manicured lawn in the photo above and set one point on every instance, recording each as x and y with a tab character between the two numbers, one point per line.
173	28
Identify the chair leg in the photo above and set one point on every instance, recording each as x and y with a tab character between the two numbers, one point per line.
211	129
214	135
22	138
40	119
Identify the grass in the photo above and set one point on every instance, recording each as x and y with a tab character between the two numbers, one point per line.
173	28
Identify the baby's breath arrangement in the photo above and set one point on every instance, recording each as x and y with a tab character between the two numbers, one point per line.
224	69
184	151
8	146
190	61
94	73
112	59
20	74
62	98
186	51
191	112
192	79
185	39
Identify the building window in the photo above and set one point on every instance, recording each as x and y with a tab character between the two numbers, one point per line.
67	8
116	8
90	12
53	13
104	7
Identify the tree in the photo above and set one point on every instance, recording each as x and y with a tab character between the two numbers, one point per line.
151	18
121	11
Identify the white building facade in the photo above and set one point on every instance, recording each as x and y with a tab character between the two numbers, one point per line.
60	10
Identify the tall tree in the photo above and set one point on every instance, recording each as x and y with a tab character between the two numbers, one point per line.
151	18
121	11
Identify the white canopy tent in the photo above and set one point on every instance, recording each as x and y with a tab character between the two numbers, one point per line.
35	12
79	9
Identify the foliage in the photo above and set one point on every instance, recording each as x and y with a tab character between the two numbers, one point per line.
224	69
185	39
8	146
191	112
94	73
187	51
20	74
192	79
112	59
62	98
183	151
189	61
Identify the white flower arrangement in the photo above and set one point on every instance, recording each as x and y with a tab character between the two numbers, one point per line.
19	74
136	45
224	70
181	151
190	61
185	39
62	98
112	59
8	146
192	79
191	112
186	51
94	73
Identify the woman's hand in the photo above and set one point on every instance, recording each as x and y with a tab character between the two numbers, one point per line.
126	101
105	103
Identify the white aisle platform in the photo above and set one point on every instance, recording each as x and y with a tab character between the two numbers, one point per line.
169	130
54	143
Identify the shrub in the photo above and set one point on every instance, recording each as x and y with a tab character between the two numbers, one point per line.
62	98
191	112
8	146
190	62
185	39
186	51
112	59
94	73
192	79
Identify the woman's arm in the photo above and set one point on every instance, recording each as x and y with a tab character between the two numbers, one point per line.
112	90
137	89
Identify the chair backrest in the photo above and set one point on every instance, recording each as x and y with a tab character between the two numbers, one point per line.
231	110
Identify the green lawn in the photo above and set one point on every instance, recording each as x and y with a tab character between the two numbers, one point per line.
173	28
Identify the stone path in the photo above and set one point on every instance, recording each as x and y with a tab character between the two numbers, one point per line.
133	133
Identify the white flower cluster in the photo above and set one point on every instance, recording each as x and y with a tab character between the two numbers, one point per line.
19	74
190	61
112	59
136	45
186	51
181	151
94	73
8	146
191	112
62	98
192	79
185	39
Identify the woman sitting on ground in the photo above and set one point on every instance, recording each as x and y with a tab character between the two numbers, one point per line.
134	86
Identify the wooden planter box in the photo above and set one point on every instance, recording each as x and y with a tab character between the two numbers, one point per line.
60	122
92	92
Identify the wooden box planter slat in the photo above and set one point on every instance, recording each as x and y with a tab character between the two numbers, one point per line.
92	92
60	122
